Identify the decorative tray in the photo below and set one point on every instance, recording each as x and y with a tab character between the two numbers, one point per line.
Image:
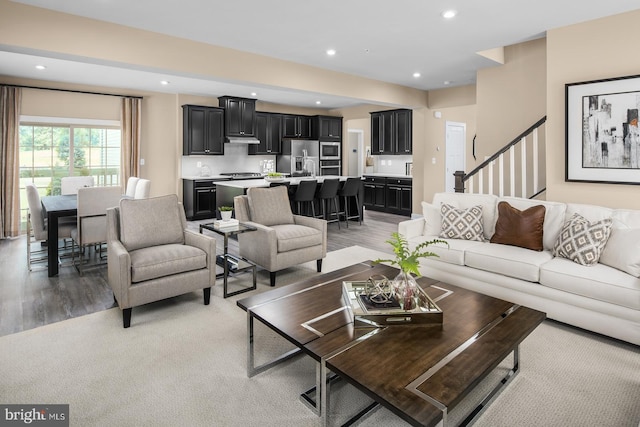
368	310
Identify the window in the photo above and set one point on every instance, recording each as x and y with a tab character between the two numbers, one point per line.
49	151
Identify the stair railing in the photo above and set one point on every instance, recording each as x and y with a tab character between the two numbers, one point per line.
522	177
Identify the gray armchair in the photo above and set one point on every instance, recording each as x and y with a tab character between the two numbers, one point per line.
152	256
282	239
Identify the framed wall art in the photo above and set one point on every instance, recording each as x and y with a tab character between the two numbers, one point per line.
602	139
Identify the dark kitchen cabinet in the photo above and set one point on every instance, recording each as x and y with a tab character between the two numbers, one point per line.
296	126
199	198
374	193
203	130
398	196
386	194
391	132
327	128
239	115
269	132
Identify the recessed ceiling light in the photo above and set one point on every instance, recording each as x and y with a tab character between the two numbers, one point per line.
164	82
447	82
254	94
416	75
331	52
41	67
318	102
448	14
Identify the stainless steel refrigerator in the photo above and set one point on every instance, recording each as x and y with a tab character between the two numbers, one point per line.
300	157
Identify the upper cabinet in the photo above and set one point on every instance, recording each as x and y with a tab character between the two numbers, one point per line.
296	126
391	132
269	132
327	128
203	130
240	115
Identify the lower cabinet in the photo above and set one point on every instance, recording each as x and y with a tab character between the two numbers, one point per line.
199	198
388	194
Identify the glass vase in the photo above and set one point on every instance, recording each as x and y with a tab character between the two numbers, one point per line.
406	291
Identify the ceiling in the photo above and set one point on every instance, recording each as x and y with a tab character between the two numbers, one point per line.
381	40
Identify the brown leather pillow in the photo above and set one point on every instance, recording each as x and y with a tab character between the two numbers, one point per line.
519	228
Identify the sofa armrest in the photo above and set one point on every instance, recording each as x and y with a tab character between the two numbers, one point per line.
119	272
318	224
411	228
208	245
260	246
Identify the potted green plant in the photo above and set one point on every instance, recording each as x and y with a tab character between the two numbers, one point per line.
408	261
225	212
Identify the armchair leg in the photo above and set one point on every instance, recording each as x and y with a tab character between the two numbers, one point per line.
272	278
319	265
207	295
126	317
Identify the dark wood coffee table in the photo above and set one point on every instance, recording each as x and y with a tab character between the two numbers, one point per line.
419	373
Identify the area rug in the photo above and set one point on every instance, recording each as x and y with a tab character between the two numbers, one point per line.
183	363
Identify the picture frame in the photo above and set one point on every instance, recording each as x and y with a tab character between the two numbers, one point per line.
602	137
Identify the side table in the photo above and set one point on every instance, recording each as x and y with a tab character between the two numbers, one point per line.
241	264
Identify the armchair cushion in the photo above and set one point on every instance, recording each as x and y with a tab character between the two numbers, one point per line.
270	206
159	261
150	222
291	237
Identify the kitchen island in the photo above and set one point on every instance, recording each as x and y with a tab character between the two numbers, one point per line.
227	190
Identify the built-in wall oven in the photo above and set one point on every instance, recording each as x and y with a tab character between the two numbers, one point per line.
330	167
330	150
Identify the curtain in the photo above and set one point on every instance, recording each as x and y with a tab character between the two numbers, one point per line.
131	131
10	101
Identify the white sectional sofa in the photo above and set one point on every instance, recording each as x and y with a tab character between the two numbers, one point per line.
603	297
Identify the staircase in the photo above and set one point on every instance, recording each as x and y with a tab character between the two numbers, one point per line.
516	170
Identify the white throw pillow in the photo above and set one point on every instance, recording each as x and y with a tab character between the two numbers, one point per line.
432	220
622	251
582	241
463	224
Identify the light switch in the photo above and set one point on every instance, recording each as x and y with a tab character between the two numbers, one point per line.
383	162
433	160
141	162
198	164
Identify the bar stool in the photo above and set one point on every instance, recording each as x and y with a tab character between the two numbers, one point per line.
329	192
305	194
351	189
284	184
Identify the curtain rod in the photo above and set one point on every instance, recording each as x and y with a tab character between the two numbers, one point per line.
73	91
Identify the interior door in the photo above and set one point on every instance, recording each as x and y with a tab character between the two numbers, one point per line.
455	154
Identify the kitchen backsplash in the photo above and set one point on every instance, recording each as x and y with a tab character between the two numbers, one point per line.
390	164
235	159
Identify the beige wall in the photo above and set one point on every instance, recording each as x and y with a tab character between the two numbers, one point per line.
599	49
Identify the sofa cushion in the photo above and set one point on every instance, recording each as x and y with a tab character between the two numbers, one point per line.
467	200
582	241
432	219
159	261
291	237
463	224
599	282
554	217
150	222
519	228
622	251
453	254
509	261
270	206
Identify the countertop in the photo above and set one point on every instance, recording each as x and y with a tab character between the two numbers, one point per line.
197	177
388	175
249	183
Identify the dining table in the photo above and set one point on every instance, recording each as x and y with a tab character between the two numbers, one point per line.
53	208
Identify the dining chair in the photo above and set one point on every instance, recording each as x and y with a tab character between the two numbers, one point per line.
37	228
71	184
131	186
142	189
91	227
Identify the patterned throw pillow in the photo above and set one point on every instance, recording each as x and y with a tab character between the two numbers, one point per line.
465	224
582	241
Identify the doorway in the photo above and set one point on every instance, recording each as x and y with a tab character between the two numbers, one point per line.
456	136
355	153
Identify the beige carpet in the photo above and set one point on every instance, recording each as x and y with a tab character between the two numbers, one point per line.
182	363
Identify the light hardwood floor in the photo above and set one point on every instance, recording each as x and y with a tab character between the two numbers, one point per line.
31	299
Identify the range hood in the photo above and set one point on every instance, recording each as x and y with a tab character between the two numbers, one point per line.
242	140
